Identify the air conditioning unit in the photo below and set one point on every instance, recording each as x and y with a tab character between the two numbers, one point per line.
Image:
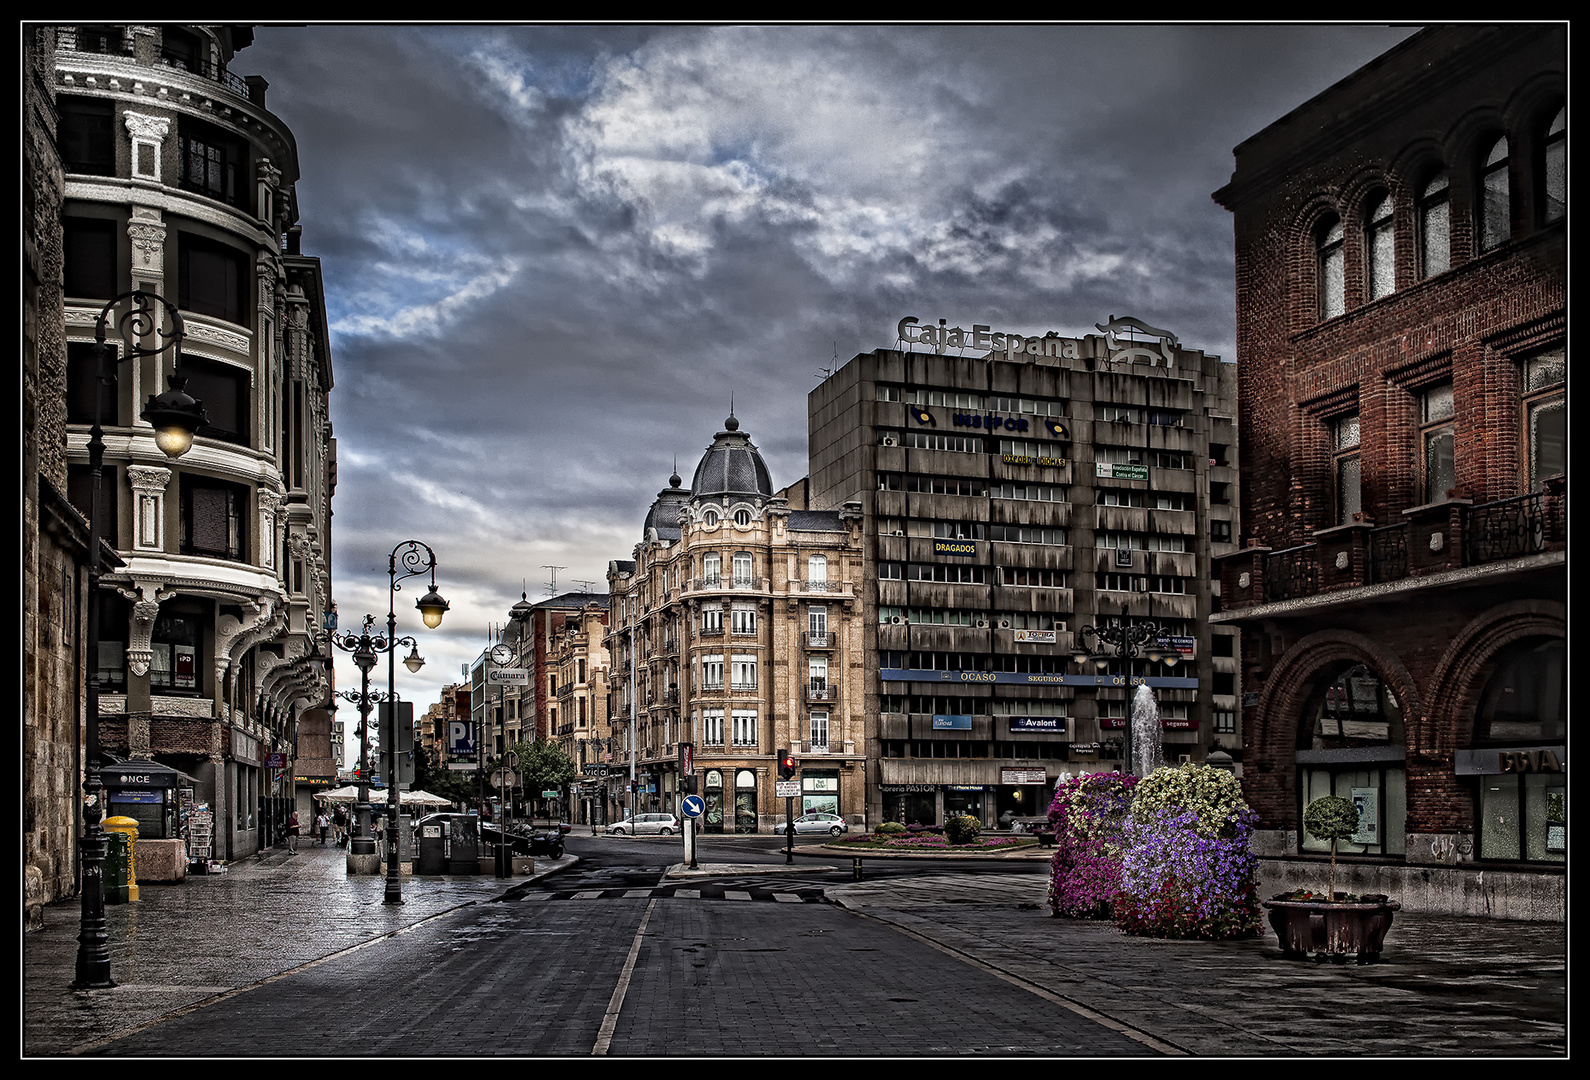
1004	624
1183	759
890	440
899	532
896	620
982	624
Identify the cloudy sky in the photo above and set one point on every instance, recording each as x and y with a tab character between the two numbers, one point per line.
553	253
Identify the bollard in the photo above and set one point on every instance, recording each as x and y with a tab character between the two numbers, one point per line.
121	866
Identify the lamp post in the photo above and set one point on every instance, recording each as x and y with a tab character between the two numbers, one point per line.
409	559
176	417
364	647
1128	641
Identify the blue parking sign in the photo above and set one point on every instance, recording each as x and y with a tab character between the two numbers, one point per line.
460	739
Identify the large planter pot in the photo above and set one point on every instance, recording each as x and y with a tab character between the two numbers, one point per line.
1332	930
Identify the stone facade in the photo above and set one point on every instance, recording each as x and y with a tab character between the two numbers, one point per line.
178	182
736	629
1401	306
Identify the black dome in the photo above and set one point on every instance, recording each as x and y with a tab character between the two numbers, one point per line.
732	468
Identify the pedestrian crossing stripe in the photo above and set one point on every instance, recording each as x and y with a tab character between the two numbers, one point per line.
667	892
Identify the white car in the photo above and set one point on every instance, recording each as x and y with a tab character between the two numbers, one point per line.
645	825
832	824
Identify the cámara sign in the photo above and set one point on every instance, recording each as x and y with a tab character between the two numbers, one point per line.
979	337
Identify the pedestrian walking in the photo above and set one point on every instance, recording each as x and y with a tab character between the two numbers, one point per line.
292	832
322	826
339	826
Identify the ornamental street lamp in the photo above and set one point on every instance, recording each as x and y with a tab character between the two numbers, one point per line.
1128	641
175	417
364	647
415	559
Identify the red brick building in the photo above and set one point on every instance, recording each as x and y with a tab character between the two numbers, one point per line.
1401	356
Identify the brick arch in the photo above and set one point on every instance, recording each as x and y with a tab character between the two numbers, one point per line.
1292	680
1302	248
1466	665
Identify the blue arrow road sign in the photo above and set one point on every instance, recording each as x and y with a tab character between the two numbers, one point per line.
694	806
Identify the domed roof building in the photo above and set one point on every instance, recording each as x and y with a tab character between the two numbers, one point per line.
724	630
732	469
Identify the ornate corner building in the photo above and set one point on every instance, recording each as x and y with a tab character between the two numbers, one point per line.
1402	590
735	633
178	181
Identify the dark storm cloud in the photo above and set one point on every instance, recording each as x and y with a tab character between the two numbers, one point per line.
552	254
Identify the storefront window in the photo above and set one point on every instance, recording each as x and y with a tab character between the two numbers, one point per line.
1523	715
913	804
1351	745
963	800
819	791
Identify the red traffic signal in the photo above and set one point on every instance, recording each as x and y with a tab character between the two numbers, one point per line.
786	765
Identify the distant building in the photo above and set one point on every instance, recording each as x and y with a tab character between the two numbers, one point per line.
578	665
1014	491
180	182
734	634
1401	252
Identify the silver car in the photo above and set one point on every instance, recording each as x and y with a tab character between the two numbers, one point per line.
832	824
645	825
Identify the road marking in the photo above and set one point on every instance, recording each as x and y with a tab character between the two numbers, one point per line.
589	894
637	894
734	894
786	898
604	1037
688	894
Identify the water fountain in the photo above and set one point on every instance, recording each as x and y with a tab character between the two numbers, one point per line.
1145	735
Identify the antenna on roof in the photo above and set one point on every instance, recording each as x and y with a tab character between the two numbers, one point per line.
585	586
552	586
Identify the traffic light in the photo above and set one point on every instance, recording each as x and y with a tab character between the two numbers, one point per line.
786	765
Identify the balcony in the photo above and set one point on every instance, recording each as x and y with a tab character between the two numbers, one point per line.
1431	539
819	641
821	691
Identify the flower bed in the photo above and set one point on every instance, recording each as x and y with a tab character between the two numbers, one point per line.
1089	815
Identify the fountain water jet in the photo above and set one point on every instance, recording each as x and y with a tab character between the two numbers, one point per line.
1145	735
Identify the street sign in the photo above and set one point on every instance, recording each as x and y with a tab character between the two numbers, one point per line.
503	779
693	806
786	789
508	676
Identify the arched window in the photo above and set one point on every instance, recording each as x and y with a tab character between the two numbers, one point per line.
709	518
712	569
1523	791
1495	225
1554	169
742	518
1329	261
1380	248
1350	744
1435	227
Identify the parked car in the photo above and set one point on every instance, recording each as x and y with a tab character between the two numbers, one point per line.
832	824
645	825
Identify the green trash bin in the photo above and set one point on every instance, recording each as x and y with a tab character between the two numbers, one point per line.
117	868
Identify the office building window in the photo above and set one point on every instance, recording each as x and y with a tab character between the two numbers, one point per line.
1435	227
1545	415
1345	467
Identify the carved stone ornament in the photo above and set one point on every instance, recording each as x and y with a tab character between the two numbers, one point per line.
1342	561
1244	580
148	235
1437	541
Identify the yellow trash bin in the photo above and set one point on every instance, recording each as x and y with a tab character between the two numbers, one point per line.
129	828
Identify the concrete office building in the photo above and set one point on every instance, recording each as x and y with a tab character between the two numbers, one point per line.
1015	490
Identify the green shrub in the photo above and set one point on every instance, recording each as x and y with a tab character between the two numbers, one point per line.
889	828
962	829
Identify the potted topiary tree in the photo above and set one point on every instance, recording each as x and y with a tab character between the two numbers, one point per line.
1333	924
